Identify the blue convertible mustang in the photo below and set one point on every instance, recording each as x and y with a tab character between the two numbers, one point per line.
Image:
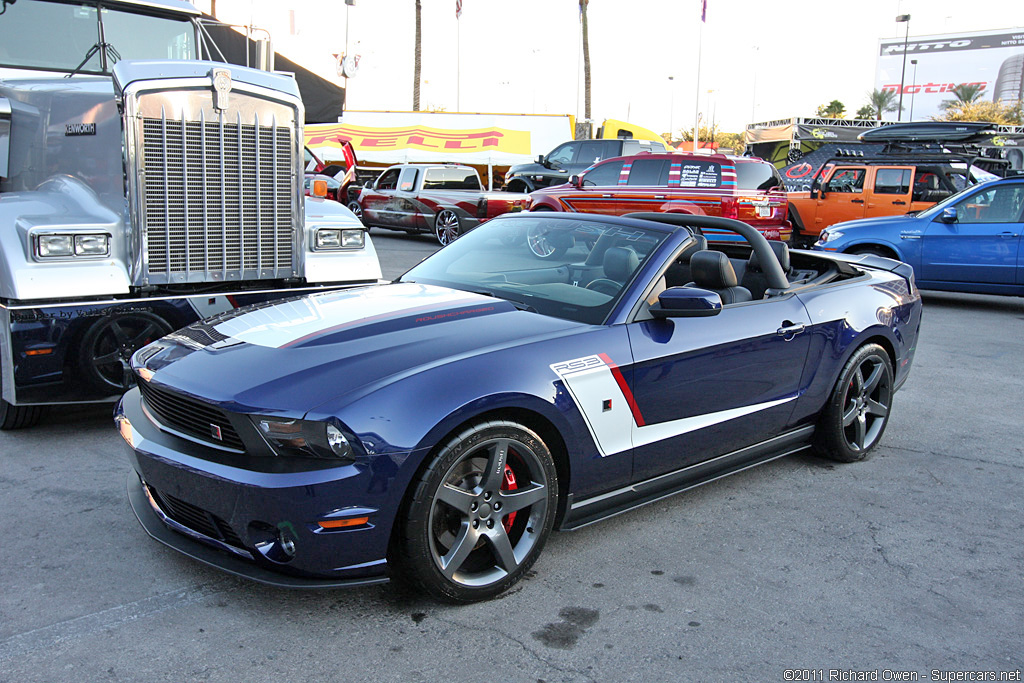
969	242
439	427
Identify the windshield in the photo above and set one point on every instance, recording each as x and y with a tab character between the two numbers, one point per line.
72	37
558	266
950	200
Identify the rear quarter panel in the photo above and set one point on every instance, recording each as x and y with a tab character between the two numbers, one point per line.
877	307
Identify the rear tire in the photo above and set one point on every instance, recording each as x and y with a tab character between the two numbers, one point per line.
467	534
858	410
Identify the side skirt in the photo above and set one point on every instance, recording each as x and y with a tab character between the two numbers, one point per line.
589	510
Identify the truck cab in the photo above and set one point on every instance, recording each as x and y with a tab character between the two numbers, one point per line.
142	188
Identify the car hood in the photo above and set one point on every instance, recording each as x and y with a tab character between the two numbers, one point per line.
876	222
296	354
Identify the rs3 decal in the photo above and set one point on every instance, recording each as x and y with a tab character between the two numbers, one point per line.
600	391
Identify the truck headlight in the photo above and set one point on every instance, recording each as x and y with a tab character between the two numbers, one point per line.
305	438
65	245
328	239
92	245
48	246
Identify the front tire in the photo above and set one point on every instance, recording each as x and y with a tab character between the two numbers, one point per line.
480	513
858	411
356	209
447	226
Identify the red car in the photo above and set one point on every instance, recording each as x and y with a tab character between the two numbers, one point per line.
445	199
745	188
339	177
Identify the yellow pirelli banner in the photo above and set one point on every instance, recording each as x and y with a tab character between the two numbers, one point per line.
397	137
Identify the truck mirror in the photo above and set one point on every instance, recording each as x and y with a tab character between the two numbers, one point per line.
542	160
576	181
816	188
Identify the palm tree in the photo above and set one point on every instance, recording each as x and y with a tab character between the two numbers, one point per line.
965	93
416	62
882	101
833	110
586	61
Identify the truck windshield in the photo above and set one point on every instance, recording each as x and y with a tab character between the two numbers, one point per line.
72	32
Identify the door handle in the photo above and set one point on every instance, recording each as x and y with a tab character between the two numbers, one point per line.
856	201
900	202
789	330
606	196
659	196
1008	235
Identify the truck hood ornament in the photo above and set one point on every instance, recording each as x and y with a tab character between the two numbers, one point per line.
221	88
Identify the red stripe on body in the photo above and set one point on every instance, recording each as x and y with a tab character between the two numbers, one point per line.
626	391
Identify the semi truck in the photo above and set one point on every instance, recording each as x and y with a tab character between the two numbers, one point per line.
144	184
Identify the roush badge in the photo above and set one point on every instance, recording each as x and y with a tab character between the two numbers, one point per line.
79	129
221	87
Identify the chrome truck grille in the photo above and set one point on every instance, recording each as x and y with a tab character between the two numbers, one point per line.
216	188
217	200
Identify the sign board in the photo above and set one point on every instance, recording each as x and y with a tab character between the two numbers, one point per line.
992	59
400	137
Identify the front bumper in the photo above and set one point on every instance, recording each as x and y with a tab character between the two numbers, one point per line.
258	524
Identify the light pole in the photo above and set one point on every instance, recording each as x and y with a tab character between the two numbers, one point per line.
903	19
671	108
913	62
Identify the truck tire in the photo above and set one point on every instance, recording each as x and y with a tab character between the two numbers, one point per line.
19	417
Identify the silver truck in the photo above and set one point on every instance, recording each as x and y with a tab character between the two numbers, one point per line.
141	189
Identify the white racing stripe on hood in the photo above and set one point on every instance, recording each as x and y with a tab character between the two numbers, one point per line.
290	321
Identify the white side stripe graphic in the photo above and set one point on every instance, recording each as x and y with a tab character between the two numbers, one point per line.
592	385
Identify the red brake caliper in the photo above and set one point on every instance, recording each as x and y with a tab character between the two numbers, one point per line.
509	485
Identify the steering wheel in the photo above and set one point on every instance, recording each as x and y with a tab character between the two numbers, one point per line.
604	286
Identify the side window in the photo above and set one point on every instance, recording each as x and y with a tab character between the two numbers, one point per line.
603	175
388	180
846	180
1003	204
592	151
563	154
757	175
649	172
892	180
407	181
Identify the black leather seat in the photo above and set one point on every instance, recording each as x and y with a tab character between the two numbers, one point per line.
619	265
712	270
754	278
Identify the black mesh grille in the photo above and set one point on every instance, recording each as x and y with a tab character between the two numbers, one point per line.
197	519
192	417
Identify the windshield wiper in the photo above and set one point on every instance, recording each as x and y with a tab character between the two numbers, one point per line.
521	305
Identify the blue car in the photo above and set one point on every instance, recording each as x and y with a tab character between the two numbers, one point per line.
438	428
969	242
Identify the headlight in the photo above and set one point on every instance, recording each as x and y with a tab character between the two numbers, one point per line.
829	235
66	245
304	438
328	239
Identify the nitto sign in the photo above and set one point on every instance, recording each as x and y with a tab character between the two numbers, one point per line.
932	66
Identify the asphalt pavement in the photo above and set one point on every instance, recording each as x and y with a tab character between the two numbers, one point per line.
912	561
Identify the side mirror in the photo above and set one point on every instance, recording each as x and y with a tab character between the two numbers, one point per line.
576	181
949	215
816	188
687	302
368	185
542	160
